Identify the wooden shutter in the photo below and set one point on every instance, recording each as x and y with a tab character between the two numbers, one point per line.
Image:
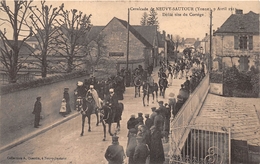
236	42
250	42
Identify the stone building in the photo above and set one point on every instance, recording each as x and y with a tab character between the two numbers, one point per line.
236	42
108	46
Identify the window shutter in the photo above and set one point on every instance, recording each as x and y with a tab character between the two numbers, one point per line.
250	42
236	42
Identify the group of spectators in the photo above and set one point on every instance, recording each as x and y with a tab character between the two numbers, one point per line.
145	138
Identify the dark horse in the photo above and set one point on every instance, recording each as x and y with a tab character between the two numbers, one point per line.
150	89
163	83
106	117
88	108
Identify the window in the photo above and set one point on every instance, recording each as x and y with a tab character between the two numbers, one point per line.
243	42
116	54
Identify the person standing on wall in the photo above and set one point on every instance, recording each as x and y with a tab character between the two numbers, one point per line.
37	112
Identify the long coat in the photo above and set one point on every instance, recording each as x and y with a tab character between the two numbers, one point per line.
141	153
115	154
131	149
156	148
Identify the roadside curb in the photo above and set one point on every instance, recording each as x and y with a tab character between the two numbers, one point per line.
38	132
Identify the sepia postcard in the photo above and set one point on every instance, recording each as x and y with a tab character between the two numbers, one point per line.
152	82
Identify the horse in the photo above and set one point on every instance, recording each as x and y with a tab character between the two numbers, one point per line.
150	89
163	83
88	108
137	83
106	117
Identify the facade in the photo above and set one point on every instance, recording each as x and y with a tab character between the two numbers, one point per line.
236	42
108	45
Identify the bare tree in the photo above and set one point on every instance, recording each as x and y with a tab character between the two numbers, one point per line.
144	20
10	48
74	27
42	21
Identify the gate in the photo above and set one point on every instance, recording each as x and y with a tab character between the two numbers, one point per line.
199	144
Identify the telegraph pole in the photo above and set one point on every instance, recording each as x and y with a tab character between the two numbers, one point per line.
210	42
127	49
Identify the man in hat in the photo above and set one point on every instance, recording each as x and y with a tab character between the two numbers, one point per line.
172	104
159	120
141	151
112	102
153	114
131	124
183	93
131	144
79	93
115	153
37	112
93	93
148	122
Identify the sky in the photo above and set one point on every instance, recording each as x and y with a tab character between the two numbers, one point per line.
171	14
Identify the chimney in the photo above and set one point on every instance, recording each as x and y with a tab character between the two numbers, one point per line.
198	39
239	11
206	34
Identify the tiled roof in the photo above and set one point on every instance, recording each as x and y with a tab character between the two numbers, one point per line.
25	49
189	41
238	23
148	32
93	33
244	121
135	33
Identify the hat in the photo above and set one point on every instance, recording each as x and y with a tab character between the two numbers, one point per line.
91	86
160	102
115	138
171	95
132	116
146	115
132	130
66	89
111	90
63	100
38	97
140	114
153	108
80	83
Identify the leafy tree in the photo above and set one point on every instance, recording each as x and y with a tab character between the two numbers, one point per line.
10	48
74	27
144	20
152	18
42	21
231	78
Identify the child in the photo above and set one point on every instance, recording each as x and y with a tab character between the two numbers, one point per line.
63	111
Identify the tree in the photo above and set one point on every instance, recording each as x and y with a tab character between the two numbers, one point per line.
177	40
42	21
74	27
10	48
144	20
152	19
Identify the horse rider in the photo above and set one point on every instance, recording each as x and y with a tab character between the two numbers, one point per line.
112	102
79	92
95	96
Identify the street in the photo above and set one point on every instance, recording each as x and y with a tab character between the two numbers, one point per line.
63	144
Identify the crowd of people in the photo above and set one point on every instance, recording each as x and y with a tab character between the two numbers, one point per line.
145	144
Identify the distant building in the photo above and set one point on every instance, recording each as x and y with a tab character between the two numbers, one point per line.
236	42
108	45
